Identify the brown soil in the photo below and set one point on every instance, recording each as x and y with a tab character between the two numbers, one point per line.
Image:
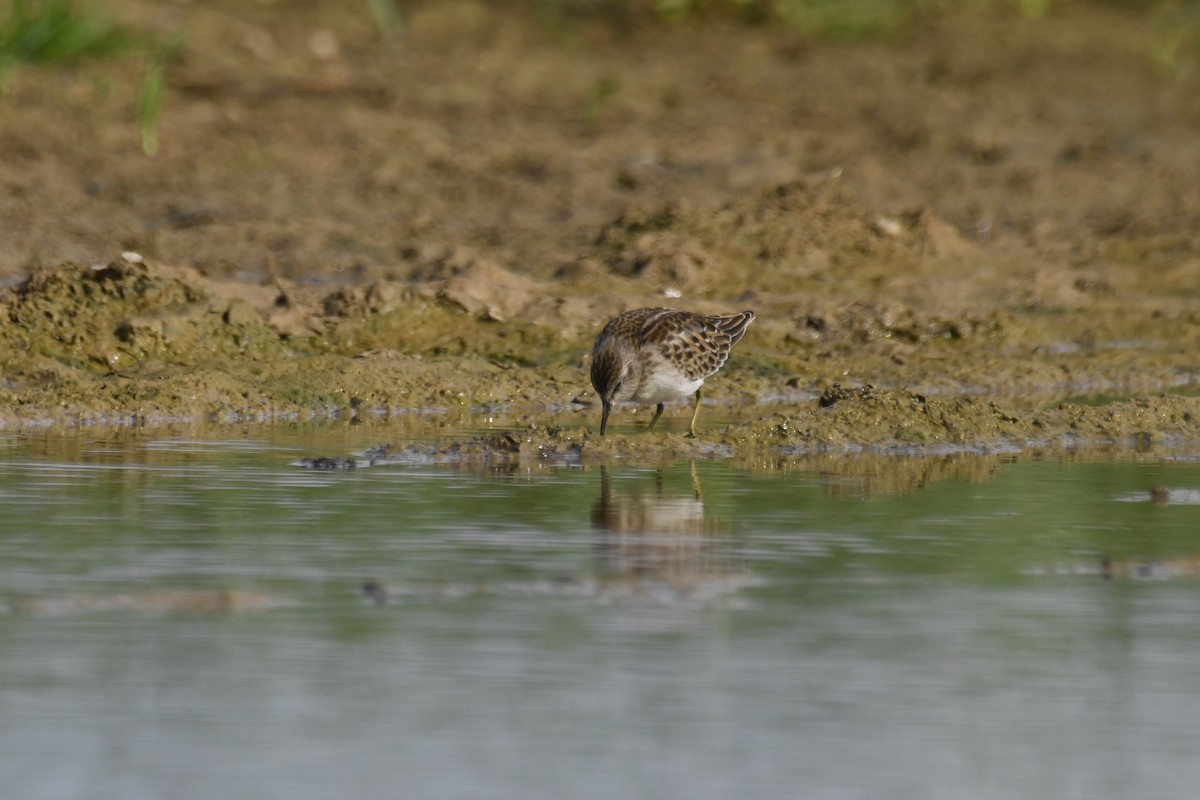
982	216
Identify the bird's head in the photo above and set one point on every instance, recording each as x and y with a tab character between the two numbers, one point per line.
613	377
610	374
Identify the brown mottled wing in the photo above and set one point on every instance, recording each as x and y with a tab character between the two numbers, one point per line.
633	324
697	345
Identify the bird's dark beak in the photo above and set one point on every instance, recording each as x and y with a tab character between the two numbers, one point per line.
604	417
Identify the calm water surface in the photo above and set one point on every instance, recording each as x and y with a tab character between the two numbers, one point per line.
185	618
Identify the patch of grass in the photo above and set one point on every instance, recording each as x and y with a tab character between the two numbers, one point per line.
387	20
603	91
854	20
1032	9
838	20
58	32
846	20
1176	49
833	19
63	32
152	93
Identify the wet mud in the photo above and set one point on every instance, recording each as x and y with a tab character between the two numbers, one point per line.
980	234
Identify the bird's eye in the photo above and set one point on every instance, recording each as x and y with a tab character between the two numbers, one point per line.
617	388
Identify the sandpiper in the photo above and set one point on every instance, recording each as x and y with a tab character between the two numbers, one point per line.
651	355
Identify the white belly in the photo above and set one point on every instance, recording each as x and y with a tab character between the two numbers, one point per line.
663	383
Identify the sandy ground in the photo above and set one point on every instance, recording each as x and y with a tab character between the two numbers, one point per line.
977	220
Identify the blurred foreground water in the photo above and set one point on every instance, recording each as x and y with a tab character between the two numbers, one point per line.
199	618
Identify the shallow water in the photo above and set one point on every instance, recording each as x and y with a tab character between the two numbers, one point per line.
187	619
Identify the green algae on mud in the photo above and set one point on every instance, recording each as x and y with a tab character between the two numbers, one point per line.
131	339
147	343
865	421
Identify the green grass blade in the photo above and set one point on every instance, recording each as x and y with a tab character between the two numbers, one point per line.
387	19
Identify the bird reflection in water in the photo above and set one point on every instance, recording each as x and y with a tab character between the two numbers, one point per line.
658	538
655	546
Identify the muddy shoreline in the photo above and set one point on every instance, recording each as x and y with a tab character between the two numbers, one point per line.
982	234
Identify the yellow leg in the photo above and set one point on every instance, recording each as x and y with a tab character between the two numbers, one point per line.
696	413
657	414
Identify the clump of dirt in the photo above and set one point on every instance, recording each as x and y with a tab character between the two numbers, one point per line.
138	340
107	316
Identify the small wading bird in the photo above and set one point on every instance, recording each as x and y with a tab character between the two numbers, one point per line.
651	355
